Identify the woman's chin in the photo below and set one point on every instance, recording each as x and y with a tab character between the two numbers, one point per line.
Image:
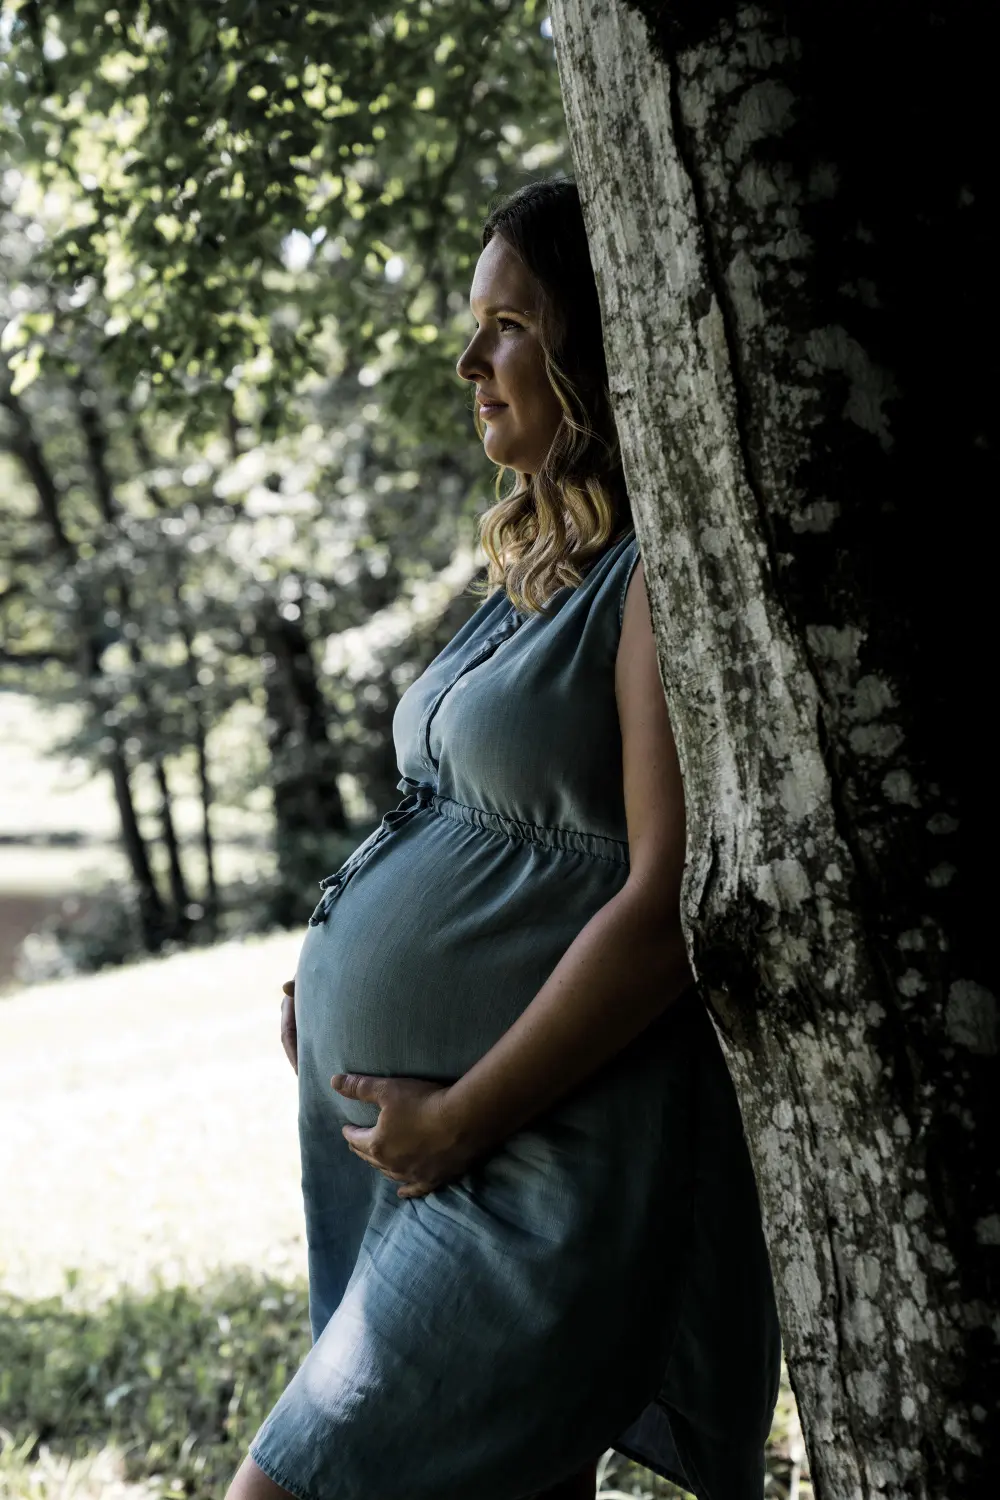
499	451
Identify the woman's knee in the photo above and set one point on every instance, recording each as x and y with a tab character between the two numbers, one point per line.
251	1483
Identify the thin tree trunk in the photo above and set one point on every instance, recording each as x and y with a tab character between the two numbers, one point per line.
206	794
308	808
785	211
152	916
28	450
213	904
179	893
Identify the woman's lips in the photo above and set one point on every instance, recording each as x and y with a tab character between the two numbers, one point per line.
487	409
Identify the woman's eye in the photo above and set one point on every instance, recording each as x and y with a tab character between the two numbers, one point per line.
509	321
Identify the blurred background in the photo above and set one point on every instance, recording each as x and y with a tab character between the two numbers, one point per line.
238	489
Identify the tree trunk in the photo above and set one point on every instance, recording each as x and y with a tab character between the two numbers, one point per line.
212	901
179	893
149	903
206	791
199	734
308	809
152	917
785	211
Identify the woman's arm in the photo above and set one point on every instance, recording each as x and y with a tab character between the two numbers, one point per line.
628	963
616	977
621	971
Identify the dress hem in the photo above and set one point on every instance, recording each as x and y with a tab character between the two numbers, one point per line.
681	1481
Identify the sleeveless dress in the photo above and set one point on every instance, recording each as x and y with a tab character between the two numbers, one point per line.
601	1280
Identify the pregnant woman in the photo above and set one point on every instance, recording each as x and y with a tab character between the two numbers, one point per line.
533	1227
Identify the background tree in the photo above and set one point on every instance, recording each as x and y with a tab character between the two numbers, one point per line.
236	248
787	209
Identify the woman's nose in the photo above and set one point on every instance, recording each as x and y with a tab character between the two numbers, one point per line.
470	363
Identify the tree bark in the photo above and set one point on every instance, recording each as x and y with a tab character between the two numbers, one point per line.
152	917
206	794
28	449
199	723
308	808
785	211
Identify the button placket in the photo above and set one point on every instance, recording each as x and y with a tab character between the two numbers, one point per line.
420	793
486	650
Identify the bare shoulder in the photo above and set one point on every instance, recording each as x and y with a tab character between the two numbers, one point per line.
637	646
654	796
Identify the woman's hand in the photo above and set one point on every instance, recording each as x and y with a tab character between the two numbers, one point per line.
413	1142
289	1035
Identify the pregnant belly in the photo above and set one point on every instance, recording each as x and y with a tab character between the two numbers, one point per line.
434	947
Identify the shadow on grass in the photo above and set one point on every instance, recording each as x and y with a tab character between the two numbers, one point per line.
174	1383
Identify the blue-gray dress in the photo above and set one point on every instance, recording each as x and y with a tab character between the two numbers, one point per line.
601	1279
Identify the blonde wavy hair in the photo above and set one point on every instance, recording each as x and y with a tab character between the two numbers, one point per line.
550	526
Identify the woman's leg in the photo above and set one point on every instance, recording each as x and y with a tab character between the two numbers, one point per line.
251	1483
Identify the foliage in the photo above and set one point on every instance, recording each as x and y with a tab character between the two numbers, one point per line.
197	141
236	243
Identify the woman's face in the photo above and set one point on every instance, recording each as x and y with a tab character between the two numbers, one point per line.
506	362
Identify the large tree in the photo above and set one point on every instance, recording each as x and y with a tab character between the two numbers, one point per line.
786	212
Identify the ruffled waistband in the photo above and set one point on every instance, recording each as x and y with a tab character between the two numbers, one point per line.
423	794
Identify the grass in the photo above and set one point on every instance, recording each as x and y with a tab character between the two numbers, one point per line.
173	1383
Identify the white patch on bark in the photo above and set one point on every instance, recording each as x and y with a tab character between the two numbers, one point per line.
714	540
988	1230
867	1387
870	387
817	516
783	884
763	110
899	787
880	740
836	643
872	696
970	1017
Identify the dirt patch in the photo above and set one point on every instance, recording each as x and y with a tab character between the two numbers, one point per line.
19	915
